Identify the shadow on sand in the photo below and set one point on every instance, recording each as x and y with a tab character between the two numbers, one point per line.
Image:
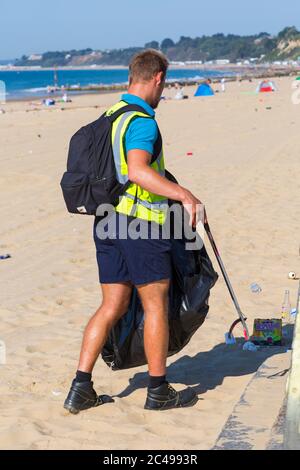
207	370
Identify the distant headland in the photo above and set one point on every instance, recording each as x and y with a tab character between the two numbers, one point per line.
219	49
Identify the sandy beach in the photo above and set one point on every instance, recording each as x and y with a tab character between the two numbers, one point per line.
245	168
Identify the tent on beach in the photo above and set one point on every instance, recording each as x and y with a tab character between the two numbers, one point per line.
266	87
296	83
204	90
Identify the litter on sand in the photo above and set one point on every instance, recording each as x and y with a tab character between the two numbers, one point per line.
229	339
49	102
5	256
255	288
248	346
267	332
292	275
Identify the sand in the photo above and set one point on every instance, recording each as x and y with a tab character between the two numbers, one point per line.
244	167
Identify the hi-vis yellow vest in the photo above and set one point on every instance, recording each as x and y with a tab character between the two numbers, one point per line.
136	201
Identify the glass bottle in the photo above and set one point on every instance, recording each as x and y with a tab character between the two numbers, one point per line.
286	307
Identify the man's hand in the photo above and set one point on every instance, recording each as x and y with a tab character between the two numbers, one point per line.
192	205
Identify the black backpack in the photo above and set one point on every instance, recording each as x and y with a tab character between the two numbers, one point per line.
91	177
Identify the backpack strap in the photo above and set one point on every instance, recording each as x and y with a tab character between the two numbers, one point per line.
126	109
131	107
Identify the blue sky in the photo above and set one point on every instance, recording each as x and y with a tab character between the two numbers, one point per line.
28	26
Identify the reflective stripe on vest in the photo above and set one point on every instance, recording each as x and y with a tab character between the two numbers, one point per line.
136	201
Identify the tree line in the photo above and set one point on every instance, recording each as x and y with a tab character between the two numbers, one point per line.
262	46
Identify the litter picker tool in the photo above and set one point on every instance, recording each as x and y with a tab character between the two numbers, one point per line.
242	319
298	295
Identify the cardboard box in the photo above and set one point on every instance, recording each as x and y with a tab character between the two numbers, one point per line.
267	332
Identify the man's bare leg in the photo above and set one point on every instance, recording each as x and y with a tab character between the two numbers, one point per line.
116	298
82	396
161	395
154	298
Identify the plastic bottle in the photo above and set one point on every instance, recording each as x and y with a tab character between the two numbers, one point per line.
255	288
286	307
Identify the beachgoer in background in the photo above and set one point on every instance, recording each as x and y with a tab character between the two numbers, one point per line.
49	102
223	85
179	92
208	81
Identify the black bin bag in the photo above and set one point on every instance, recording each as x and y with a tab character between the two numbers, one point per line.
193	276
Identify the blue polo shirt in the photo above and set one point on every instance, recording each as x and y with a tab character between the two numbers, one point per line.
142	132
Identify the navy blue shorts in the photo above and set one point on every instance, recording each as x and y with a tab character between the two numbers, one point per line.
139	261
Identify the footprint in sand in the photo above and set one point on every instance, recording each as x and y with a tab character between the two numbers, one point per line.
75	321
47	346
47	287
77	260
31	349
58	274
45	312
65	276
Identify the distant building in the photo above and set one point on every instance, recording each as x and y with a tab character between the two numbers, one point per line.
222	62
194	62
6	66
177	63
35	57
68	56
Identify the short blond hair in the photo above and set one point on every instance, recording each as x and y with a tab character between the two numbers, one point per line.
146	64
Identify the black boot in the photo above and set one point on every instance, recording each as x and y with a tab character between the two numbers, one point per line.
81	397
165	397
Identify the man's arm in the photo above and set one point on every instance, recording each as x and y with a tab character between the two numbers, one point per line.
141	173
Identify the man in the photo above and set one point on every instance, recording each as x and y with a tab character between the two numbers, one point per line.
143	263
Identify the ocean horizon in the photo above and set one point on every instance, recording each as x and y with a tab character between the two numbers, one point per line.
28	84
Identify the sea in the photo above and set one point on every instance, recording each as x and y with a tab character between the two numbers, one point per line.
35	83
